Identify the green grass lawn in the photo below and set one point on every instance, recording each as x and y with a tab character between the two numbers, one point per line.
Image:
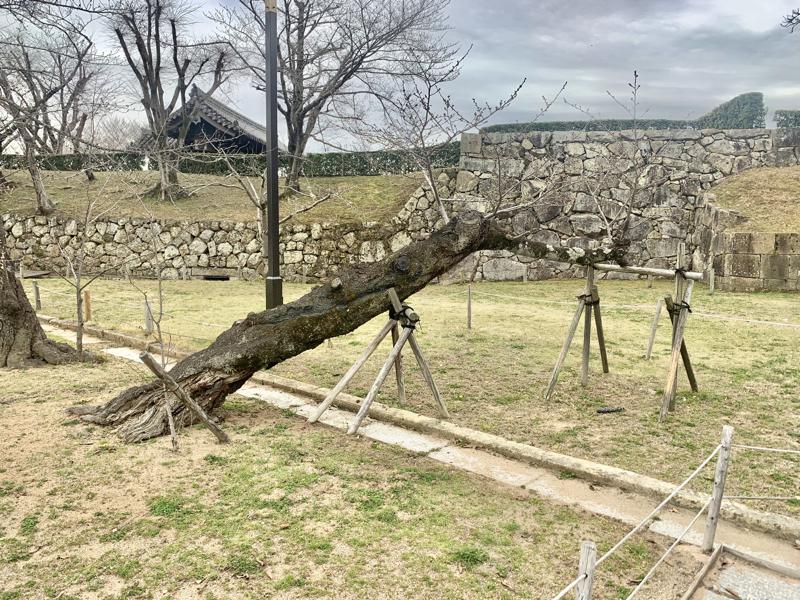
493	376
284	511
118	193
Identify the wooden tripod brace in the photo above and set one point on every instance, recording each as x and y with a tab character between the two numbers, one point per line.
587	303
401	317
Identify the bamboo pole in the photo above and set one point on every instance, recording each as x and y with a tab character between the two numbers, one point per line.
646	271
181	394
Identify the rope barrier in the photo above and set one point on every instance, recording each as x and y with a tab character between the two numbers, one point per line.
668	551
782	498
659	507
763	449
642	523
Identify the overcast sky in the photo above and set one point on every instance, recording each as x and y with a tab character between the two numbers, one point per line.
691	54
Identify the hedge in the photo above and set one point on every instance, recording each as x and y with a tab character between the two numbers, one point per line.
745	111
329	164
787	119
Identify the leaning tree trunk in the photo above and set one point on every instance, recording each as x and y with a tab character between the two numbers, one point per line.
267	338
44	205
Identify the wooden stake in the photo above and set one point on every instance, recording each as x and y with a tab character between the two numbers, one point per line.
711	278
148	319
181	394
398	367
573	326
37	298
426	373
469	306
87	306
687	363
384	372
586	566
649	281
720	474
598	321
423	364
653	329
672	375
329	399
587	328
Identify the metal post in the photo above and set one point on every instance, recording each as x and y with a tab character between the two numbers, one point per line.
37	298
719	489
469	306
274	283
583	591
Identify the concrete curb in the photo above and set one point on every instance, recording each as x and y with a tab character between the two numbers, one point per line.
779	525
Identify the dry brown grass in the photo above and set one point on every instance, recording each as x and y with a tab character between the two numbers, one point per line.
493	377
353	199
769	197
284	511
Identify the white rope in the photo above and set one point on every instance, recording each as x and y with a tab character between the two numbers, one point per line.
569	587
784	498
670	549
762	449
659	507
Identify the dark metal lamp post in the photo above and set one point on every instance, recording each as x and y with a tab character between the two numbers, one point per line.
274	282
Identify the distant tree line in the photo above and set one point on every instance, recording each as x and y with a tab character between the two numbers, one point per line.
745	111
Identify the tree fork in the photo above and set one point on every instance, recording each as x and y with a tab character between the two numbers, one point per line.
358	294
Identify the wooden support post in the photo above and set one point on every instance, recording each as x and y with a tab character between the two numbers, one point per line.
181	394
469	306
672	375
720	474
423	364
525	274
148	319
398	367
573	326
687	363
711	280
650	281
87	306
586	567
352	371
653	329
679	277
598	321
428	376
587	327
37	298
384	372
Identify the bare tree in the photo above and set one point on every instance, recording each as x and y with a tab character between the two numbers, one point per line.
417	116
332	49
165	61
37	72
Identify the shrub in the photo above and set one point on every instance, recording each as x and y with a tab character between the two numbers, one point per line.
787	119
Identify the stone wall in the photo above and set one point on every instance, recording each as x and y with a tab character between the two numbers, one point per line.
584	176
590	174
310	252
748	261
